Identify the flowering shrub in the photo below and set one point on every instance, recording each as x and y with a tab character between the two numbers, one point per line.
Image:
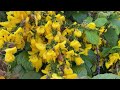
59	44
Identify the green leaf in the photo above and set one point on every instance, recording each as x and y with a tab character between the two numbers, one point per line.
3	16
106	76
18	70
116	24
80	70
79	16
88	64
116	47
92	56
105	51
27	46
31	75
23	59
102	14
88	19
100	22
92	36
111	37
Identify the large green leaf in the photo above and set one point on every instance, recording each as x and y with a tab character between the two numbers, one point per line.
18	70
105	51
23	59
88	64
111	37
80	70
92	36
88	19
79	16
100	22
116	24
106	76
31	75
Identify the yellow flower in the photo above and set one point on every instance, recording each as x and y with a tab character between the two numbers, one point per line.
88	46
91	25
1	43
78	60
56	47
4	34
62	18
119	43
2	77
62	44
58	16
40	30
19	31
48	18
74	23
68	70
102	29
11	50
57	38
71	52
75	44
77	33
51	13
64	33
43	77
49	37
50	55
67	63
108	64
85	51
37	18
113	58
55	76
40	46
70	55
56	25
71	76
36	62
48	27
47	69
9	57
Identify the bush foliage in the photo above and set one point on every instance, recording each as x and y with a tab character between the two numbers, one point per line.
59	44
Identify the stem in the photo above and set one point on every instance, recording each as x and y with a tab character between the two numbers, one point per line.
98	59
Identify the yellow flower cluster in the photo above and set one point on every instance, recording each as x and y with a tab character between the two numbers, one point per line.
49	43
113	58
91	26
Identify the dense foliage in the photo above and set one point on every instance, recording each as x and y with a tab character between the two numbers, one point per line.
59	44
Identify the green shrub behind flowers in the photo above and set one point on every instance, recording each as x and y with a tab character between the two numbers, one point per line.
59	44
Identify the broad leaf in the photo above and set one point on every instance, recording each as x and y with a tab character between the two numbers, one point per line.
23	59
31	75
111	37
92	37
106	76
80	70
100	22
79	17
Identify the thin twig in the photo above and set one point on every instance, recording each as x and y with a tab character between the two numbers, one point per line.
98	59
